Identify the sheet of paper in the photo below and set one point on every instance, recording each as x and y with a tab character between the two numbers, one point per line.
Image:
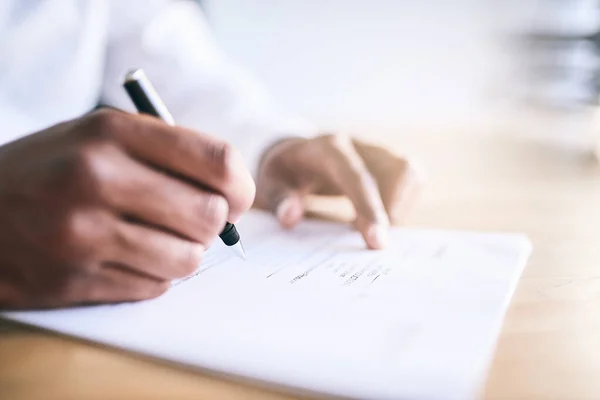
312	309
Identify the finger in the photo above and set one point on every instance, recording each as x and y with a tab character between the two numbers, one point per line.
402	198
105	282
119	283
198	157
153	253
283	199
350	174
399	181
290	210
282	188
161	200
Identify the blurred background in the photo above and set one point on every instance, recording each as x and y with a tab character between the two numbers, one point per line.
387	67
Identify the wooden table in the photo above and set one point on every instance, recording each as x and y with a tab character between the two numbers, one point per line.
550	343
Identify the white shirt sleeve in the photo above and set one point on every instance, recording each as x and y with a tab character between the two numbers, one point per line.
172	42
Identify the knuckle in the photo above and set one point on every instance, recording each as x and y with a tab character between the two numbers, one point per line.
84	164
223	157
403	165
410	172
336	151
74	230
336	140
81	168
103	123
89	169
81	233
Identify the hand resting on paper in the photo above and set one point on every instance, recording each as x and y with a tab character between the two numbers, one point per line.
381	185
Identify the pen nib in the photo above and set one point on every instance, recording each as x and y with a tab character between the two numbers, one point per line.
238	249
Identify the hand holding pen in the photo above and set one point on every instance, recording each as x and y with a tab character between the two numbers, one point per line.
147	101
112	207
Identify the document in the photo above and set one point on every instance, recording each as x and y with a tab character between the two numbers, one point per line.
312	309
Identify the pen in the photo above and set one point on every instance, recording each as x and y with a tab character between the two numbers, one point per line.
146	100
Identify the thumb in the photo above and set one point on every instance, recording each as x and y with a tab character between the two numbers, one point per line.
277	192
289	209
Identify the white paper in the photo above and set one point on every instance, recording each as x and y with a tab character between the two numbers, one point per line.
312	309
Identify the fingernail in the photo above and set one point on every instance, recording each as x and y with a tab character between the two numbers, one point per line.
378	236
290	211
284	209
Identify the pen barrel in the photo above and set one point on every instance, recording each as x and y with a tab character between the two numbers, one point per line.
145	97
147	101
229	235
